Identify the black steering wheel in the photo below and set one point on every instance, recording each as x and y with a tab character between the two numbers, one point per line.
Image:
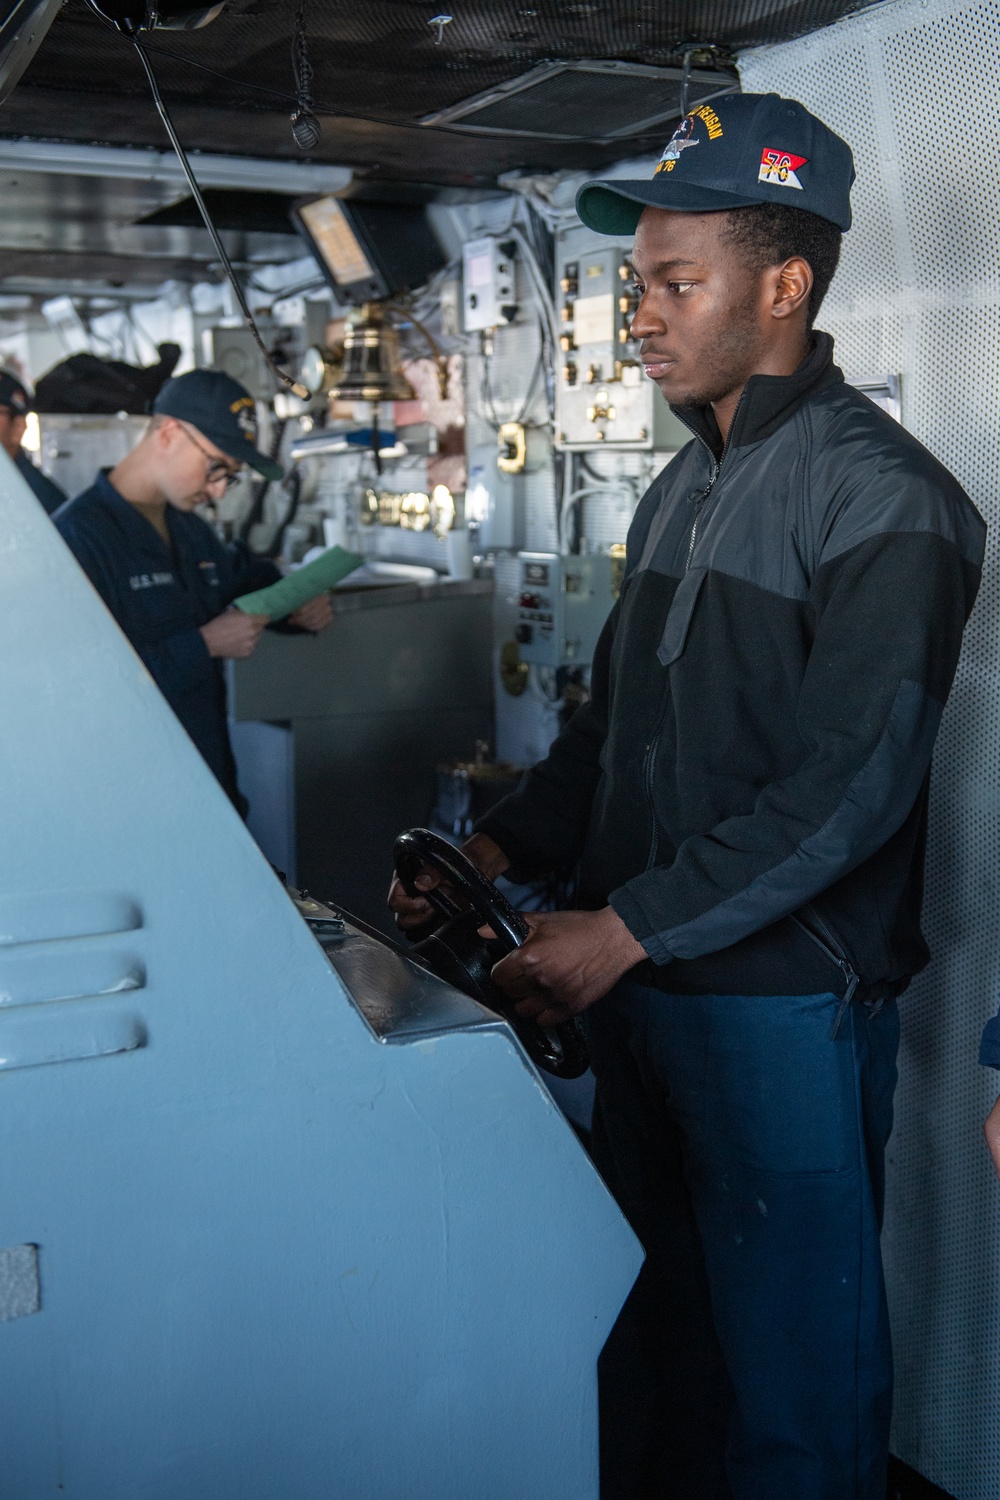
456	952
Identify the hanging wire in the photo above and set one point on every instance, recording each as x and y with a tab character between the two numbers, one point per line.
686	81
305	126
220	250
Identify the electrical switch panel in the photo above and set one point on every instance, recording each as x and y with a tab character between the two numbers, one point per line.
487	283
603	396
562	607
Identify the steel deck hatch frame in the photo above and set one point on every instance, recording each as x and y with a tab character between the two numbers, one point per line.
705	83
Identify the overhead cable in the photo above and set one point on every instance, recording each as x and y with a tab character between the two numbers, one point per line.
220	249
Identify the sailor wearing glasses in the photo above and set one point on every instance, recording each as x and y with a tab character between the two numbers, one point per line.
161	569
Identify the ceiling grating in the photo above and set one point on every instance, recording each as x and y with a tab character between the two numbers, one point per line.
378	70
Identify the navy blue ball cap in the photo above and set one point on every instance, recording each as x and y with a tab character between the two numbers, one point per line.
222	410
14	395
733	152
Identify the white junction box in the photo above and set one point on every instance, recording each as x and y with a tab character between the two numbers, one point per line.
494	502
562	607
487	284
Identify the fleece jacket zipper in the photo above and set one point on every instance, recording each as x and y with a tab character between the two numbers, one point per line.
649	765
698	504
828	944
718	462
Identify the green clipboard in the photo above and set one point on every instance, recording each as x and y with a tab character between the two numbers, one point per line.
287	595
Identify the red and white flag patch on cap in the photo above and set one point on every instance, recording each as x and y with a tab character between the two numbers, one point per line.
780	167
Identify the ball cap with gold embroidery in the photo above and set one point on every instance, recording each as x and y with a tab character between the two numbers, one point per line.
222	410
733	152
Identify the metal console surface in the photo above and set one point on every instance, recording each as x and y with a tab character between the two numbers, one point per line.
399	999
249	1249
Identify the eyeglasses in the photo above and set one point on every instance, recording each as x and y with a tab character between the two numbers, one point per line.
216	468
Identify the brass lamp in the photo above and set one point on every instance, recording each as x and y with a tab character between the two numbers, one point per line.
372	368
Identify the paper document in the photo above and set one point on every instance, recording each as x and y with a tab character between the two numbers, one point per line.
286	596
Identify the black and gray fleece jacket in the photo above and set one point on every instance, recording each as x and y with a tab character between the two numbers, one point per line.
748	785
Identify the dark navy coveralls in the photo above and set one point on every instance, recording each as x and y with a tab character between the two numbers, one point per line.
45	490
161	596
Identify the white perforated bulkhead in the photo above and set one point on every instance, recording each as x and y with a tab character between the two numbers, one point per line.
915	88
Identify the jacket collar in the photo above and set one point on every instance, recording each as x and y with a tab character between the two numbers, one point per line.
767	401
135	526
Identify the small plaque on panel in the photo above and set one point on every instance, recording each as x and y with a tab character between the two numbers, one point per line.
19	1291
594	319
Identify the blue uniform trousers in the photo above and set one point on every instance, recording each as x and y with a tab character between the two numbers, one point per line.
746	1148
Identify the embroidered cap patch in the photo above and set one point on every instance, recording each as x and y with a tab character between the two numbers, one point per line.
780	167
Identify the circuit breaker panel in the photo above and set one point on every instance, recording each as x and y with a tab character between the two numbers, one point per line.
603	395
562	607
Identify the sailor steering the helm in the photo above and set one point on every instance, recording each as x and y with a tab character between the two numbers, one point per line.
745	800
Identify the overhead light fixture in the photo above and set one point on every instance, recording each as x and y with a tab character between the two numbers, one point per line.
439	23
368	251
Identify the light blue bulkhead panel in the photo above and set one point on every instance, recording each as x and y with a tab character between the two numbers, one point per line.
248	1250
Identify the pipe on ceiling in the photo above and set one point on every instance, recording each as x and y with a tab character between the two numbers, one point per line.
212	171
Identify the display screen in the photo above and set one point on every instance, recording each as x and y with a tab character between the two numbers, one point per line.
336	241
536	572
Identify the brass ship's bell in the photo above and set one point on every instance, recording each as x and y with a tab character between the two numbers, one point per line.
372	367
